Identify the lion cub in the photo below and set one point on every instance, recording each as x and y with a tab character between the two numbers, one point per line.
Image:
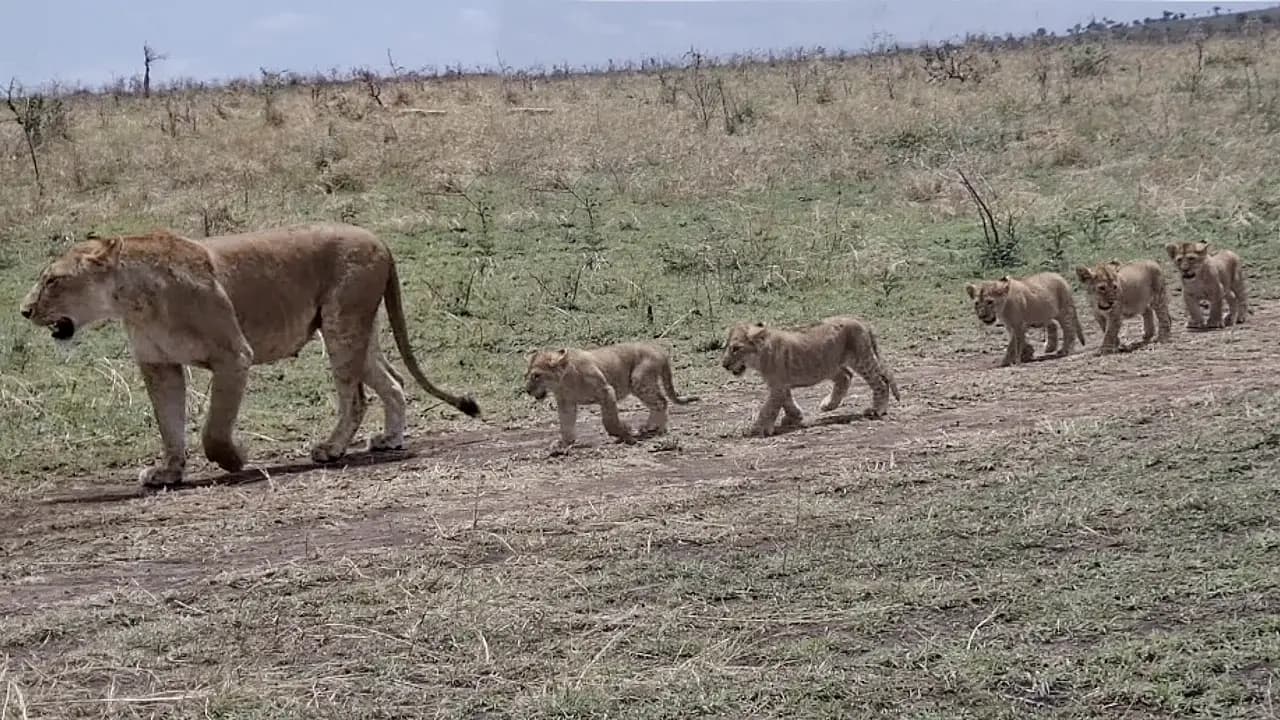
1121	291
603	377
1212	277
1042	300
833	349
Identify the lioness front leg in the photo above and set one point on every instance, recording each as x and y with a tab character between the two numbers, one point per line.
226	391
839	389
167	388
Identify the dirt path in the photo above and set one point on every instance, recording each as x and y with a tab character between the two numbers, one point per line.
104	535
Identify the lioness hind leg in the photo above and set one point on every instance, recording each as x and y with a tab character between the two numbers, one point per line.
226	392
381	377
839	389
348	350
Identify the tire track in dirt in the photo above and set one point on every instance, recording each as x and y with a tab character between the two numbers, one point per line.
944	404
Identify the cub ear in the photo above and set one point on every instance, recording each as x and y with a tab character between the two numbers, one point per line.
971	289
1201	248
1172	249
562	357
755	332
1084	273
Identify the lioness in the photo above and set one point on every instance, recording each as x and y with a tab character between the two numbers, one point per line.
1212	277
604	376
832	349
1042	300
1123	291
227	303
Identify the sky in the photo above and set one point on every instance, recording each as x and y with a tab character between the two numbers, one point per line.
91	42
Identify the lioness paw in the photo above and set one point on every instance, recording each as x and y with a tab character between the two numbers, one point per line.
156	476
326	453
384	441
228	455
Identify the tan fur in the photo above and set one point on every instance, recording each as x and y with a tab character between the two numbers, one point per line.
833	349
604	376
1213	277
1120	291
227	303
1042	300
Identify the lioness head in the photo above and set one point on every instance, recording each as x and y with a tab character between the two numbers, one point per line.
546	367
988	298
1188	256
742	346
75	290
1102	281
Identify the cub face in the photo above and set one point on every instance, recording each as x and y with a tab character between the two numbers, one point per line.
75	290
988	298
546	368
1102	281
742	347
1189	257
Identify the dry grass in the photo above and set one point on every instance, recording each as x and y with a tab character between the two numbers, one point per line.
1049	539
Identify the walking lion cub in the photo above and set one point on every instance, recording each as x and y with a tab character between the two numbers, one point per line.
1121	291
832	349
1042	300
604	376
1211	277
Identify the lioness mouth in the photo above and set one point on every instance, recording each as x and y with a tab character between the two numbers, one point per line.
1189	275
62	328
1103	307
988	320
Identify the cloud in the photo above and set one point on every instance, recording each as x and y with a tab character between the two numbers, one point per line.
280	23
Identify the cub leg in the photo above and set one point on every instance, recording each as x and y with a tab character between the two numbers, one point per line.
790	410
768	413
166	386
609	416
839	388
1195	318
1148	324
1161	303
1052	337
1110	333
1241	311
870	371
1215	309
568	416
650	394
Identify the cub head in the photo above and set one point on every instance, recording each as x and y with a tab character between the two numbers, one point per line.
1188	256
988	298
1102	281
546	368
742	346
75	290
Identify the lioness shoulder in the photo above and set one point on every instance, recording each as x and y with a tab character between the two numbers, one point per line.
605	376
832	349
1041	300
1214	277
1123	290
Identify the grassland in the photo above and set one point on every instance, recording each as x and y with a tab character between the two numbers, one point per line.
1092	537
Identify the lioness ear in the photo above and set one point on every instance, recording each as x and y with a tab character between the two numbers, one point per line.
1114	262
971	289
755	331
1172	249
107	251
1084	273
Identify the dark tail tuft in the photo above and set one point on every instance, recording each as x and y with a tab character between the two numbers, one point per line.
469	406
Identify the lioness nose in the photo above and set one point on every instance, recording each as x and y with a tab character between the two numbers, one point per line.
26	313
